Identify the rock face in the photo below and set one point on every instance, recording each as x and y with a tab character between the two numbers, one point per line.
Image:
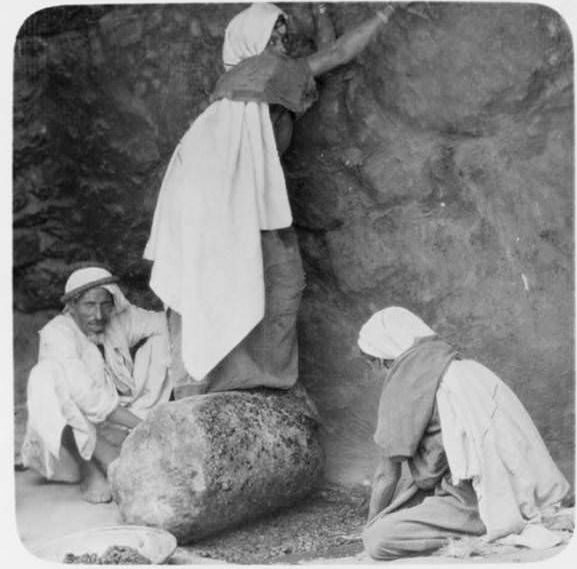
435	172
202	464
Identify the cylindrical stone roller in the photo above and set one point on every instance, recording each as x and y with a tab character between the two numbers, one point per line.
201	464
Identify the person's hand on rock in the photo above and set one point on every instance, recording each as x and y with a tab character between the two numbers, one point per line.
386	13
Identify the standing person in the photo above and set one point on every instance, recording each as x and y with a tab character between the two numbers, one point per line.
88	389
225	258
477	463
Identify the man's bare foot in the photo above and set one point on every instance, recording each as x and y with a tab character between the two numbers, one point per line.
94	486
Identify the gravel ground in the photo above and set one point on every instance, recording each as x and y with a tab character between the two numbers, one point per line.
327	524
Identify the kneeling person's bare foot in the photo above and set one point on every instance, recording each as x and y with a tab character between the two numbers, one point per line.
94	486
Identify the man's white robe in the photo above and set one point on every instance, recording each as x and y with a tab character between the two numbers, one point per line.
73	384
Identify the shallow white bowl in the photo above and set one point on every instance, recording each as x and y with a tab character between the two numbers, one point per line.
155	544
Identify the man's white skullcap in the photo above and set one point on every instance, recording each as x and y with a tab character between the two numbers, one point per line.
90	277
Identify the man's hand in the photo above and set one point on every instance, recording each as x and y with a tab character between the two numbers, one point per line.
113	433
123	416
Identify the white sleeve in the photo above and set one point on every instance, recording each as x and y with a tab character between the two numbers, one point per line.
140	324
95	396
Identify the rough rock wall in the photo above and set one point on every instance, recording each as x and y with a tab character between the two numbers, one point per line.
435	172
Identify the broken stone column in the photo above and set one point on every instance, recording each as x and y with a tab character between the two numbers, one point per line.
201	464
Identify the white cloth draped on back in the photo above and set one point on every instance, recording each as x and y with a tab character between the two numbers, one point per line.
224	184
490	439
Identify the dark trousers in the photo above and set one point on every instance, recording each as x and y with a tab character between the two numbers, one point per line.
425	523
268	355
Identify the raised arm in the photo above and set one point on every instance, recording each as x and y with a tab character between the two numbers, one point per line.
324	26
349	45
385	482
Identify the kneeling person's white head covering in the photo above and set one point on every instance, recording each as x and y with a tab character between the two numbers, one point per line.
86	278
390	332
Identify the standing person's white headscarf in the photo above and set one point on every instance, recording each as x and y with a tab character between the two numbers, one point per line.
248	33
222	186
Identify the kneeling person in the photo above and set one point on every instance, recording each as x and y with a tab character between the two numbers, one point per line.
87	391
477	464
